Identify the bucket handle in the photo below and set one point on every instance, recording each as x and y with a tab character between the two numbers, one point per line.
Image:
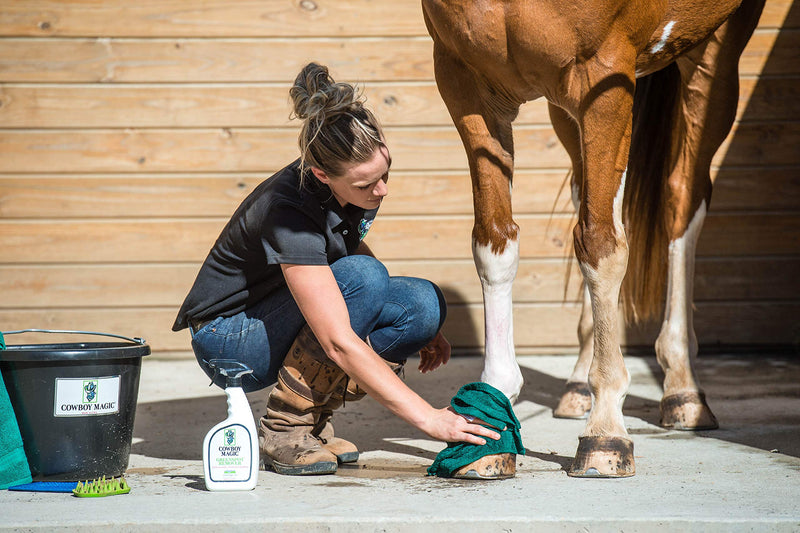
135	340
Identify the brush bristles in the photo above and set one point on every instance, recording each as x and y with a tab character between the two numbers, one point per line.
102	487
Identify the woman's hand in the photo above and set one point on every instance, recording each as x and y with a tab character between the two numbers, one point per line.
447	425
435	354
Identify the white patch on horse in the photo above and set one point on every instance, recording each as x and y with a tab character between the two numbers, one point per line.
604	284
664	36
619	228
677	331
497	273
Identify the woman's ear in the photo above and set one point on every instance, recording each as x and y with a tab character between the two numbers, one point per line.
320	175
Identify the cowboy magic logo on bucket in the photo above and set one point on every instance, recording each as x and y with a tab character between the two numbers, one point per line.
90	391
86	396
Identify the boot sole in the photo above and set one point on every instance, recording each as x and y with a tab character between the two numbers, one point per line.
313	469
350	457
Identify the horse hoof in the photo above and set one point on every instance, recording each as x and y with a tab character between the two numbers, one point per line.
576	402
687	411
603	457
497	466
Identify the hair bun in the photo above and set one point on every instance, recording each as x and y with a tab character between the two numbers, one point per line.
316	96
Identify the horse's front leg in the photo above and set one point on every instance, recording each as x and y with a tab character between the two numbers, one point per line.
604	449
486	133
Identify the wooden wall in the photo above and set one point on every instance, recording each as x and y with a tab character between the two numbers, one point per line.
129	132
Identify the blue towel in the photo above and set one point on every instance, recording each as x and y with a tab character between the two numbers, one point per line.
485	402
14	468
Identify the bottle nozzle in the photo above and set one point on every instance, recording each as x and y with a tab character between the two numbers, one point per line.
232	370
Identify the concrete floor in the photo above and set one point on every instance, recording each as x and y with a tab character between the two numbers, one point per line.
742	477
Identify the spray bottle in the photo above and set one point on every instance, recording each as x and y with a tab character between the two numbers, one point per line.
230	449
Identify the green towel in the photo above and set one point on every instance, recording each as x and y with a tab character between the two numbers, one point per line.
14	468
483	401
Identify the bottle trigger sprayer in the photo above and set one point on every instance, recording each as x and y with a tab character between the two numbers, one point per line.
230	449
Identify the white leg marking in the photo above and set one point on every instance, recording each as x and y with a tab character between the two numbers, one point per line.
676	346
604	284
664	36
497	273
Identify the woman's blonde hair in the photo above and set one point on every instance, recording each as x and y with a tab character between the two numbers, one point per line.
337	128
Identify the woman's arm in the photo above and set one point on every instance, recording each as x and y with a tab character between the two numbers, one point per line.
317	295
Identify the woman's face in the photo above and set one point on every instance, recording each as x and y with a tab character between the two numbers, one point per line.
361	184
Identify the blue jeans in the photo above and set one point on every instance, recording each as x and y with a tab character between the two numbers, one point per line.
399	314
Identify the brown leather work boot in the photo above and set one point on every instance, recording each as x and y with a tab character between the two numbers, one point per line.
305	384
347	391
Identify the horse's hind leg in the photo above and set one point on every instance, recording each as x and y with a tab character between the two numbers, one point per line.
709	95
576	401
486	133
601	247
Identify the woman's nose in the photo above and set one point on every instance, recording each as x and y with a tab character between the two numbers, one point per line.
381	189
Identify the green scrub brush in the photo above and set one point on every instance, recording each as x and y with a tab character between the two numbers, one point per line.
102	487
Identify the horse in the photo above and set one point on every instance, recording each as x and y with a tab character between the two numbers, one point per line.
641	94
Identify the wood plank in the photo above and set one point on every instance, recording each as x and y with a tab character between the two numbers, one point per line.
256	150
411	193
239	150
766	98
555	325
211	105
536	326
217	18
392	237
193	60
195	195
210	18
538	281
756	188
240	60
779	14
760	144
771	52
267	105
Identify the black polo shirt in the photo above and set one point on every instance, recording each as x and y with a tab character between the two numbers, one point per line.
277	223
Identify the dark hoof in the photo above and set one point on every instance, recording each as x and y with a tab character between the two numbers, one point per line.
497	466
603	457
576	402
687	411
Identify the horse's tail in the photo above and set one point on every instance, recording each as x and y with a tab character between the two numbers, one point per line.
653	144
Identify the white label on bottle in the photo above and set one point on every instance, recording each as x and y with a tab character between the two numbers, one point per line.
230	454
86	396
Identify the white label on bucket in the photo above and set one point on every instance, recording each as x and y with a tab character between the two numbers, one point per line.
86	396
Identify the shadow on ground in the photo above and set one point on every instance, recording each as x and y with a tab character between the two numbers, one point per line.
757	401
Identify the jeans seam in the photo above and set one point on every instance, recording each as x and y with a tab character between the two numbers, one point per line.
400	337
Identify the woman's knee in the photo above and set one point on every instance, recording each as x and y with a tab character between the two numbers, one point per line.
424	302
361	276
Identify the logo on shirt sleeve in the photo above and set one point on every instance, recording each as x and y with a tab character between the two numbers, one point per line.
363	228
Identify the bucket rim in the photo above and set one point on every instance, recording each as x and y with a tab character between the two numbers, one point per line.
74	351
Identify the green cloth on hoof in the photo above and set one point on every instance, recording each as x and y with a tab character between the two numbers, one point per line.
485	402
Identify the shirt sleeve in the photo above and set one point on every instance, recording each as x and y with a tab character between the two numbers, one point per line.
290	236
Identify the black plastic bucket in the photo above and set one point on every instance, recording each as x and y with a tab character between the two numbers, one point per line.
75	404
